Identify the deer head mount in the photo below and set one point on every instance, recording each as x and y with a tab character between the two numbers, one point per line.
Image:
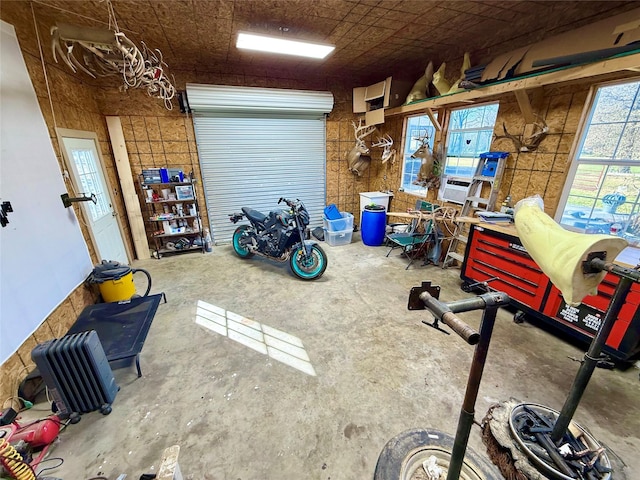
388	154
530	143
357	157
429	173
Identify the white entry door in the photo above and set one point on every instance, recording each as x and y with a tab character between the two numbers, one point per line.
88	178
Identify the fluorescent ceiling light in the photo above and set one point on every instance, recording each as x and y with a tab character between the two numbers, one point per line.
263	43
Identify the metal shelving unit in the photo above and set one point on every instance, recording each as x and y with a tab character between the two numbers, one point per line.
171	231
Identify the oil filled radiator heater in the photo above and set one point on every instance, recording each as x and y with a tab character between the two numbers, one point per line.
77	374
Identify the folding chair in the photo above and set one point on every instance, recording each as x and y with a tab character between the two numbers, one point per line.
413	241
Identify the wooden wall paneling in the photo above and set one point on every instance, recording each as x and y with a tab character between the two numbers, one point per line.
129	194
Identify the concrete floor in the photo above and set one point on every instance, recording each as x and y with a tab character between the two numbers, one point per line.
238	414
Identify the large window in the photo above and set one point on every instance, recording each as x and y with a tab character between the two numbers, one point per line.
416	128
469	134
603	184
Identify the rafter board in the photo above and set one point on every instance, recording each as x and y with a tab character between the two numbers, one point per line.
129	194
577	73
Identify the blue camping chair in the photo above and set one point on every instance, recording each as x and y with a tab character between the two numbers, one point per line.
419	235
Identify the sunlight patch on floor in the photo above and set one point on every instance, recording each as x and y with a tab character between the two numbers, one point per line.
278	345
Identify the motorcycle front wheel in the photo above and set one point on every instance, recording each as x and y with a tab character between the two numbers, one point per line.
311	267
238	247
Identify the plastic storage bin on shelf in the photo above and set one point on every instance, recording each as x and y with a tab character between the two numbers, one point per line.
345	222
335	239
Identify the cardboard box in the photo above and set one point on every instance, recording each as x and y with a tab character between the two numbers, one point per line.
617	31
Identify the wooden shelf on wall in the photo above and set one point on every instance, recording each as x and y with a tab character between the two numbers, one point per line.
628	62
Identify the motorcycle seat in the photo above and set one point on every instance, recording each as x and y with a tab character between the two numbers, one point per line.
254	215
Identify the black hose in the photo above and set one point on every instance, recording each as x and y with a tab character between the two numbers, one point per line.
136	270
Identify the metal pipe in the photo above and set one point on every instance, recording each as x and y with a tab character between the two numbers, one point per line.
546	443
591	359
492	302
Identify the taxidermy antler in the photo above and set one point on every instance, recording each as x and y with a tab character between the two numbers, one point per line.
386	143
357	157
530	143
429	173
101	52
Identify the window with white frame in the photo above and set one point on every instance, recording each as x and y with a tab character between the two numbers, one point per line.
603	184
468	135
415	128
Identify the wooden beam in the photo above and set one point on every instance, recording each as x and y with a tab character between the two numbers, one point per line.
522	97
131	202
434	120
577	73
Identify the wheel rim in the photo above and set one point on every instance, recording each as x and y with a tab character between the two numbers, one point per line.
413	464
311	265
543	465
240	250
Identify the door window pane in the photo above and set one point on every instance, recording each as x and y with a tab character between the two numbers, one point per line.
88	175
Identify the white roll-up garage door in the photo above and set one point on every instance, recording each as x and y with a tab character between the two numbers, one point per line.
256	145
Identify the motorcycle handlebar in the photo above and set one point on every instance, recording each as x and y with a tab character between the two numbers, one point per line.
444	313
290	203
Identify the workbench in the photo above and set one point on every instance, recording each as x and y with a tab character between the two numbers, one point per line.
494	254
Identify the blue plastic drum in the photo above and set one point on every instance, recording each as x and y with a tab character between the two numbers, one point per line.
374	221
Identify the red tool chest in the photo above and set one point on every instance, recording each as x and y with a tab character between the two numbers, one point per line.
494	253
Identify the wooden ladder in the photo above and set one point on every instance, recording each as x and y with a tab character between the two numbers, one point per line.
475	202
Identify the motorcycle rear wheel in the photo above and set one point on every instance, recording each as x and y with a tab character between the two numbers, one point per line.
309	268
241	250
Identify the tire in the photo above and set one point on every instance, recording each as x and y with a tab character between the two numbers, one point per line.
315	266
240	250
466	287
404	454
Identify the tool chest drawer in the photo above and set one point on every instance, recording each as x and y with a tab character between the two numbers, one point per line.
587	317
501	258
507	263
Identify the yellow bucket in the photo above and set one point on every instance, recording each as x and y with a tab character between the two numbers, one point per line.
118	290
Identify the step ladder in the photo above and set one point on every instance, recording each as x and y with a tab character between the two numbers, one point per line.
488	176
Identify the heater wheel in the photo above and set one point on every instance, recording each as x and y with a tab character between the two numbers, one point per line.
402	457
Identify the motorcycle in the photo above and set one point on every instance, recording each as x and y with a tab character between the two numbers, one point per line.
280	236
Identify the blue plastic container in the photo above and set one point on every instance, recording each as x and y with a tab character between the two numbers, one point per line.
374	221
489	168
331	212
